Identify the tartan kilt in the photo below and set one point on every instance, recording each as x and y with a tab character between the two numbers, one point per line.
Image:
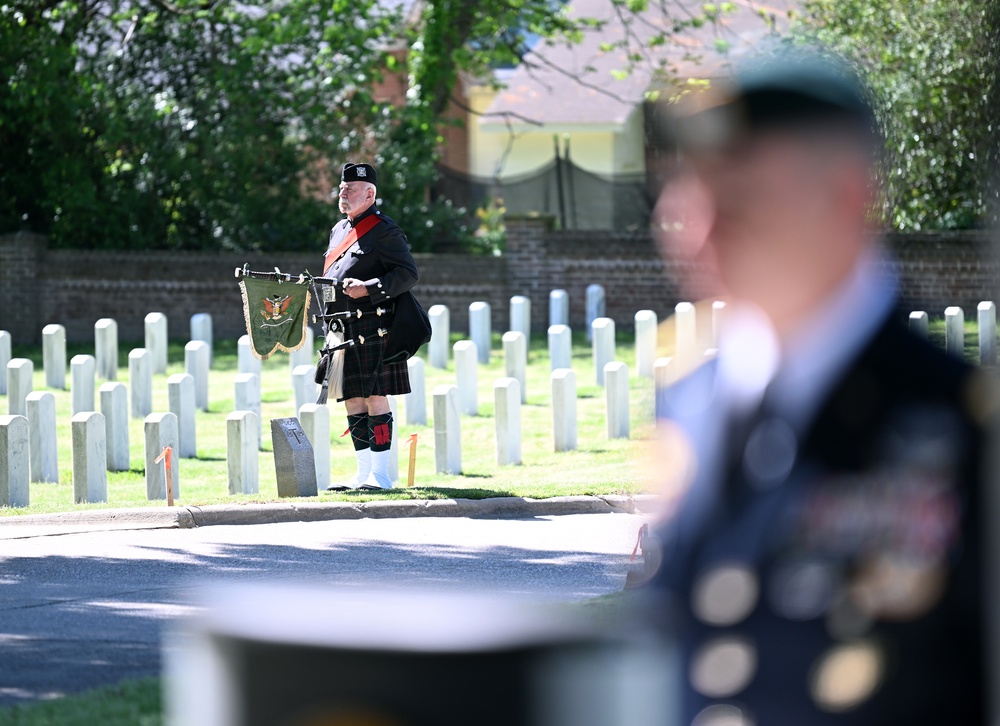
364	373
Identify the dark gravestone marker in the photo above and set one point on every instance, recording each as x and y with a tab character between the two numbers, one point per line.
294	461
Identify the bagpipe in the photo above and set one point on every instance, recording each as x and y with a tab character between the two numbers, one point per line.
276	305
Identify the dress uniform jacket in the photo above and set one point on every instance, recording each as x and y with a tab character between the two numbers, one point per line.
382	260
836	576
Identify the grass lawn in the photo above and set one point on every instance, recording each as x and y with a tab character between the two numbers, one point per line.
130	703
598	466
936	335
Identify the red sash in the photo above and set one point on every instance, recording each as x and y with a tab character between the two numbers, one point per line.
357	231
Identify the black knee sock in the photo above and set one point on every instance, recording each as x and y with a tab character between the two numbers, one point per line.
380	432
358	424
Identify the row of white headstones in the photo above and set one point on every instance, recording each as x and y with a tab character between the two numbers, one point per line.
100	440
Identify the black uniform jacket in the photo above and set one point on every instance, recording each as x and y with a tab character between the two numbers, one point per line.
381	259
837	578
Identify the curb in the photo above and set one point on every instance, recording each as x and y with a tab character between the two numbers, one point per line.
33	525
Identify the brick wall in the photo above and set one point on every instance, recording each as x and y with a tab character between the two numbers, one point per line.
19	286
75	288
940	269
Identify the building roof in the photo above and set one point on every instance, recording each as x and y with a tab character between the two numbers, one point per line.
574	86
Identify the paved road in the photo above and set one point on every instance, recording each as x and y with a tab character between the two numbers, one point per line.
79	609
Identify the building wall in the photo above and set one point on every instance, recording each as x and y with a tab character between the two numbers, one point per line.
600	151
485	148
630	144
75	288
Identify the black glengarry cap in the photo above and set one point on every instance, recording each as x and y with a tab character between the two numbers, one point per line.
358	172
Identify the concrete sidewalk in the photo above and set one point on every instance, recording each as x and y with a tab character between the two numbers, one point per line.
184	517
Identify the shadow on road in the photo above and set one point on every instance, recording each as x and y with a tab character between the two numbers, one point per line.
71	622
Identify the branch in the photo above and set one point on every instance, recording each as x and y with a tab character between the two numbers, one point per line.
572	76
505	114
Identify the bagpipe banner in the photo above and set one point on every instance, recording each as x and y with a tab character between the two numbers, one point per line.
276	315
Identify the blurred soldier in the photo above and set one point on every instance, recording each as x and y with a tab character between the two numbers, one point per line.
822	563
369	255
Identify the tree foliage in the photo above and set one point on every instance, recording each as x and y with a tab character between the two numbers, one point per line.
183	124
451	38
929	66
195	124
930	63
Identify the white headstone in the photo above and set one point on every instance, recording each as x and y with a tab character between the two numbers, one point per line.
160	431
156	341
515	356
245	360
83	373
314	418
564	409
663	376
507	420
106	348
241	452
466	362
558	307
560	347
954	331
447	431
686	335
438	348
595	306
416	400
114	408
180	397
304	386
304	356
603	346
987	314
20	372
919	324
90	458
201	329
481	329
616	397
247	389
15	463
645	342
520	315
54	356
42	436
196	365
140	380
718	320
5	354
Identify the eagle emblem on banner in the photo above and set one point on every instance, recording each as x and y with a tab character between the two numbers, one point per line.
275	309
275	314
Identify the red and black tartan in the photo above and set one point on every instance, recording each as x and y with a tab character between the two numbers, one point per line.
364	373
